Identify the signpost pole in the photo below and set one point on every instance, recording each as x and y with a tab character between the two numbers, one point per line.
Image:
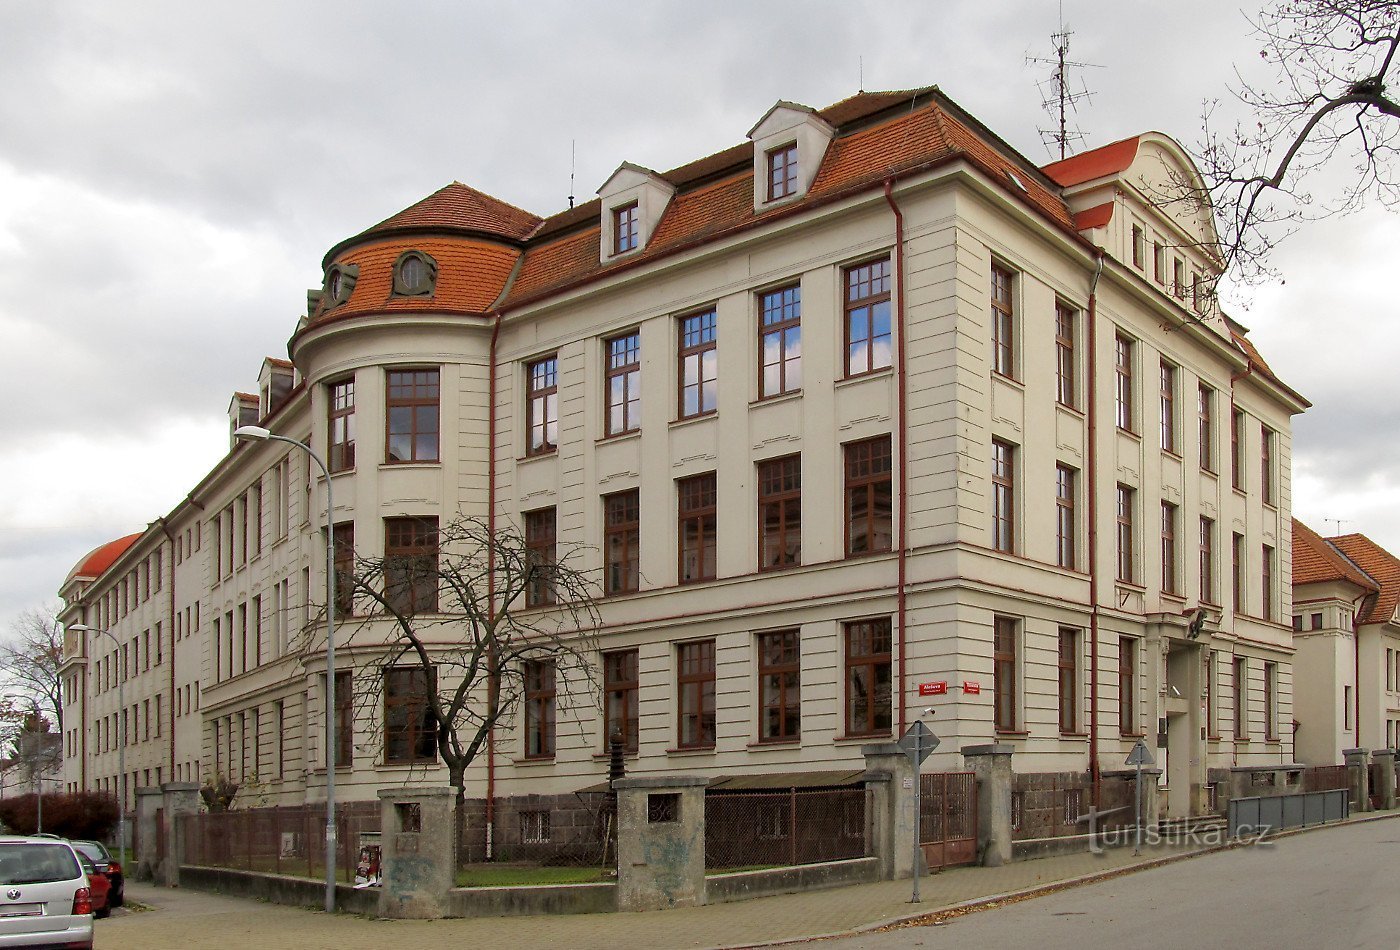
918	812
1137	783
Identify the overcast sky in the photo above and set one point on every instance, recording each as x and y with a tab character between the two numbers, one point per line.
172	173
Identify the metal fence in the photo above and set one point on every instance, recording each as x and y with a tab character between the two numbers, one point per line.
948	818
279	840
796	826
567	830
1325	778
1261	815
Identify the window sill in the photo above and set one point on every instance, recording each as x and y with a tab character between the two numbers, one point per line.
789	396
1173	595
1129	433
406	766
607	756
867	737
529	760
852	378
434	464
1012	733
1131	735
1009	379
775	743
1120	582
691	750
689	420
1210	471
549	453
1074	735
1073	410
1173	454
616	437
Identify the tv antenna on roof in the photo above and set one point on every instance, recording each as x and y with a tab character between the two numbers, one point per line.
1338	522
573	145
1062	92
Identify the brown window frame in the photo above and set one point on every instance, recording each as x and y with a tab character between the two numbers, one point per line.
621	695
1171	582
411	552
697	364
780	323
1003	475
627	402
416	399
626	228
697	520
1139	246
696	721
869	483
779	513
541	545
1237	581
418	733
1127	686
1065	375
623	539
1205	426
781	164
1068	679
340	425
1005	674
1266	577
1266	465
1237	448
1123	382
343	543
1003	306
866	289
867	648
344	718
1124	499
1159	263
1066	533
1239	676
542	405
1167	395
1206	551
780	686
1270	701
538	697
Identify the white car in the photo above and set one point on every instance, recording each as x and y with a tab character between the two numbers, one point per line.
44	895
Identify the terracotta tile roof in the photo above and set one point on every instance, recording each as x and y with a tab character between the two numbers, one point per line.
1380	565
102	557
1096	217
470	276
1096	163
1315	561
457	207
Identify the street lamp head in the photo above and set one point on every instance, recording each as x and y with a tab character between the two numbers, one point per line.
82	628
251	433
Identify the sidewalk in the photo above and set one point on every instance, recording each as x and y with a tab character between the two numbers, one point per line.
183	918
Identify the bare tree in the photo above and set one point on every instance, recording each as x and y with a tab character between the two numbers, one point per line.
29	663
1321	138
464	617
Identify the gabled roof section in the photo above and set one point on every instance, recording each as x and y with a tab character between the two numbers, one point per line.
1096	163
454	207
1316	562
100	558
1380	565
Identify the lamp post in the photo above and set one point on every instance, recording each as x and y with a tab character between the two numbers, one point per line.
121	732
260	434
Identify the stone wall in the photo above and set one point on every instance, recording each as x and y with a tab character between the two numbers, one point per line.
566	829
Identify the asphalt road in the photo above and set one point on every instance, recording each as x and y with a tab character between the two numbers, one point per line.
1325	890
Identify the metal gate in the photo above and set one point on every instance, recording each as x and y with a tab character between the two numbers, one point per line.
948	818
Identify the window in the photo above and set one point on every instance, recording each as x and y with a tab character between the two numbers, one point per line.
414	274
341	425
1237	448
1168	407
1065	547
411	565
542	405
1127	686
780	341
625	228
538	698
1197	292
1003	323
1266	465
413	415
1004	681
1346	707
620	689
1169	579
344	719
695	687
343	540
1241	699
1237	572
1178	278
534	826
869	499
1123	371
868	317
1069	679
1124	507
782	171
699	365
780	513
410	734
1064	355
779	690
697	507
540	538
624	383
869	685
1271	702
1003	496
622	537
1159	263
1316	624
1205	428
1212	691
1139	246
1267	582
1207	561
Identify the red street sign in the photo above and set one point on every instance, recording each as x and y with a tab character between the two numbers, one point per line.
937	688
972	686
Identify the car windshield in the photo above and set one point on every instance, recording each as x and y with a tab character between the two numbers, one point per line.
92	852
24	863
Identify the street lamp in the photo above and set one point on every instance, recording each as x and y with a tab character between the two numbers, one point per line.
260	434
121	732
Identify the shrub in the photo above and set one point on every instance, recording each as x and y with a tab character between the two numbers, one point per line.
83	815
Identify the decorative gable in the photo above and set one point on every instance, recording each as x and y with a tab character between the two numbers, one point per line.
788	145
633	200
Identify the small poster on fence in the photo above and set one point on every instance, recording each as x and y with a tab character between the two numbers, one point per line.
367	869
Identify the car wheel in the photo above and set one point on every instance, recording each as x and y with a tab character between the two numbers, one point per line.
104	913
117	900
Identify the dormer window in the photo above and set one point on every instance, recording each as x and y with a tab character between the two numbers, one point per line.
340	282
782	171
415	275
625	231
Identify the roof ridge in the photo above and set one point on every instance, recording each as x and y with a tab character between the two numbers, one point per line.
1348	558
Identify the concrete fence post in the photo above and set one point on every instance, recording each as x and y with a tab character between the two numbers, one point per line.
418	834
1359	778
178	799
889	772
1385	776
992	766
148	802
660	842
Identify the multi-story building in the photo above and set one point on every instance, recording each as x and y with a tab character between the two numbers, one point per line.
866	404
1347	634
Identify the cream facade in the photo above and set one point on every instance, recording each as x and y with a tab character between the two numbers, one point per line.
931	429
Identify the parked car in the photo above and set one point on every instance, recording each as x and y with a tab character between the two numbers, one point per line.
100	885
97	853
45	895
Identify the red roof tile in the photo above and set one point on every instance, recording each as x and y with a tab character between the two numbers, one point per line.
470	276
1315	561
1096	163
456	207
102	557
1382	566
